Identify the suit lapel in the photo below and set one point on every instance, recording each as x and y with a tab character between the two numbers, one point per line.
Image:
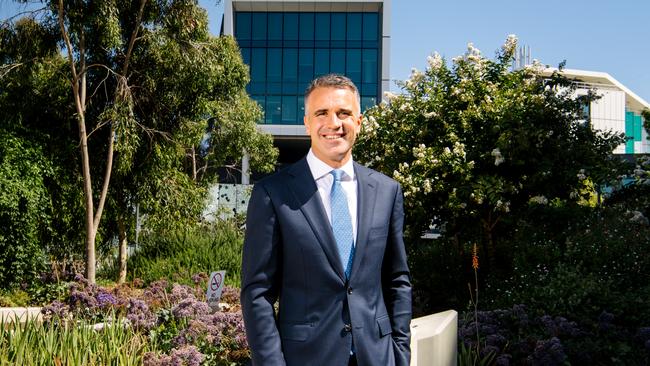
305	191
366	194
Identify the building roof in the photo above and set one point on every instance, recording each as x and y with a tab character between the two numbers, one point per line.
598	79
308	5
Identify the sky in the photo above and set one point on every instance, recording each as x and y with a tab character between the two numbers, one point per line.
611	36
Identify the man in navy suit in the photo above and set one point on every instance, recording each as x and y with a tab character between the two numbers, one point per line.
324	237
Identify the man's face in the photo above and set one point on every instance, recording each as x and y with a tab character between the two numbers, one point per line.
332	120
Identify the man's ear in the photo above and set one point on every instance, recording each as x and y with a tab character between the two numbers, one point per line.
306	122
359	120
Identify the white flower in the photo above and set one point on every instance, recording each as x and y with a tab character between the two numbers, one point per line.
435	61
416	76
472	51
541	200
426	185
511	43
430	114
389	96
498	158
637	217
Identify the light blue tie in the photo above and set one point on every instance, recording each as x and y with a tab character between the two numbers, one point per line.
342	223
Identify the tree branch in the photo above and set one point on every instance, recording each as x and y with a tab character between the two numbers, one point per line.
107	178
134	36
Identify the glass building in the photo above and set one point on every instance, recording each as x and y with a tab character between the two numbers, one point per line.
288	43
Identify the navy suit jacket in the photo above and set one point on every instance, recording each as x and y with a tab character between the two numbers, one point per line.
290	255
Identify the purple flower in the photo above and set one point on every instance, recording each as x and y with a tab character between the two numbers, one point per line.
199	278
242	341
605	317
548	353
180	292
487	350
503	360
104	299
189	356
55	310
190	308
496	340
559	326
81	300
139	315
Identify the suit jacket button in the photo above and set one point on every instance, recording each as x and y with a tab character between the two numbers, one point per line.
347	328
349	290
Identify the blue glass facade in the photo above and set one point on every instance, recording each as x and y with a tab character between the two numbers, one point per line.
286	50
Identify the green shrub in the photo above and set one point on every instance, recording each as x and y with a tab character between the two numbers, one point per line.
14	298
594	262
24	207
440	273
179	254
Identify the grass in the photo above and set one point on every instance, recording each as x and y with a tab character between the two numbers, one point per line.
71	343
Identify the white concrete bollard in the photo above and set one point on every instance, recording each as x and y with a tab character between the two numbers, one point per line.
434	339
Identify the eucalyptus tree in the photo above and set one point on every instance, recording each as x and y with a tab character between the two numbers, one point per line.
144	78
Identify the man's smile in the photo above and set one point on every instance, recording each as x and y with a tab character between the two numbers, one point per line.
334	136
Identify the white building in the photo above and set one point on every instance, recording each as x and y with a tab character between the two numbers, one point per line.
618	108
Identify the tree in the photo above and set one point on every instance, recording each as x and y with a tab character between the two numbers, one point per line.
24	210
35	106
145	77
474	143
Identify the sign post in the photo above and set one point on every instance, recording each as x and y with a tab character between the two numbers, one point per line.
215	287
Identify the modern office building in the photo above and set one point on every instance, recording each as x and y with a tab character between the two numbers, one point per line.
287	43
618	108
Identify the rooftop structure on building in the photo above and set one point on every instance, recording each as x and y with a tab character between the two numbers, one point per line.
618	108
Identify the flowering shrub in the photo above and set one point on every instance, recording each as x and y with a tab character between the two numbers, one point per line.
188	355
175	318
515	336
472	143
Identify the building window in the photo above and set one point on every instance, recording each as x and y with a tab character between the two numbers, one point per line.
285	51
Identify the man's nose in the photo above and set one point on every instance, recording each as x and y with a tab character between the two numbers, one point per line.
334	122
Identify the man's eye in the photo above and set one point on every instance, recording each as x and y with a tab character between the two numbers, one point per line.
344	114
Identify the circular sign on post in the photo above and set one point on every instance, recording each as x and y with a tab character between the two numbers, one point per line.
215	282
215	288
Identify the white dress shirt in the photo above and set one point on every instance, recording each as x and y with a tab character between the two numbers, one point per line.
321	173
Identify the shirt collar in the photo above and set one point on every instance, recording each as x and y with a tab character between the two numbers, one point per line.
320	169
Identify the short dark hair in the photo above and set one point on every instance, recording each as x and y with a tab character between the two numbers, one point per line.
332	81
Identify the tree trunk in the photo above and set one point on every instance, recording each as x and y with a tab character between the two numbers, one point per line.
193	164
490	246
79	93
91	231
121	278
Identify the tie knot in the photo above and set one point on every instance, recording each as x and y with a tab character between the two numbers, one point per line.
337	173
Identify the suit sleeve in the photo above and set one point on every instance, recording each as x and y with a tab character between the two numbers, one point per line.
261	266
397	284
